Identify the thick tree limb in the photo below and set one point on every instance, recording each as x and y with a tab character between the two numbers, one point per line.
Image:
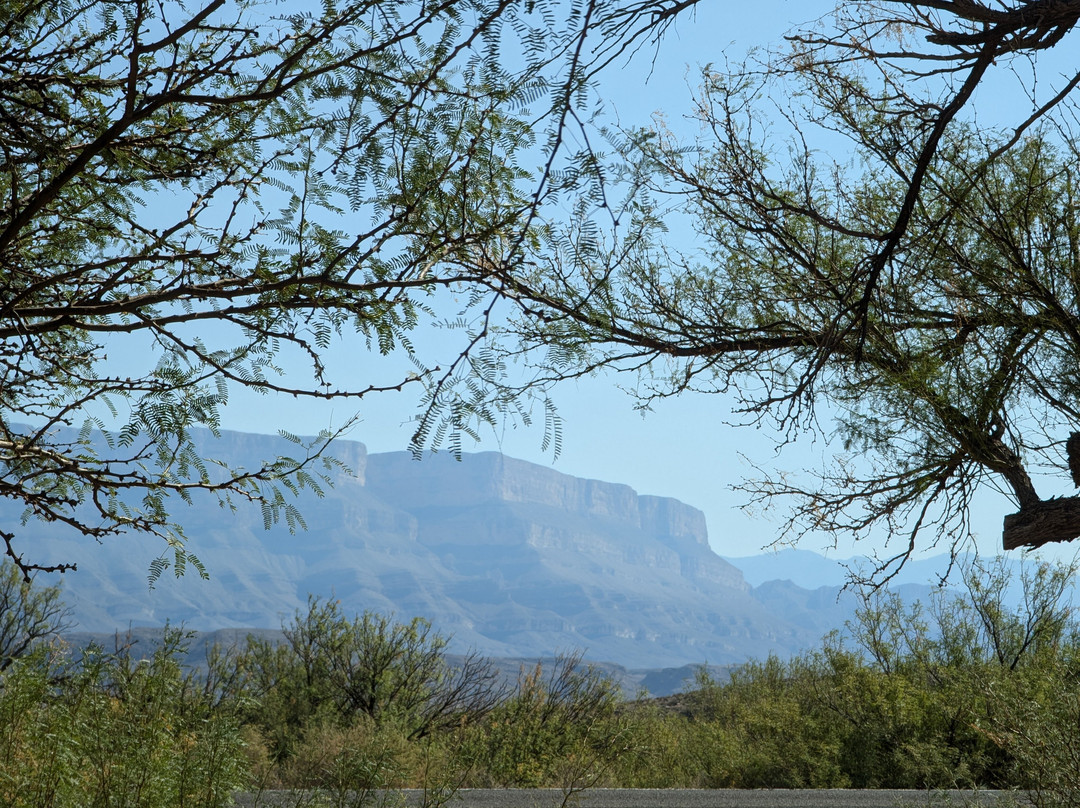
1051	520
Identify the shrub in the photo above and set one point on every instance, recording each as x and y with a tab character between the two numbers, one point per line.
559	728
114	731
331	668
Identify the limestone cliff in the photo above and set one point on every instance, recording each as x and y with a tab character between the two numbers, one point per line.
513	558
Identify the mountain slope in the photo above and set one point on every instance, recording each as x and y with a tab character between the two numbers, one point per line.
512	558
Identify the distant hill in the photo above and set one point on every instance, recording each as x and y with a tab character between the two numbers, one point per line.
812	570
512	558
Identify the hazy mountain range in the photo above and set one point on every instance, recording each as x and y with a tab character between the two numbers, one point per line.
511	558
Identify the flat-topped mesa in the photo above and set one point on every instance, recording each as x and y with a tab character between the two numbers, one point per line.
510	557
484	501
440	481
250	451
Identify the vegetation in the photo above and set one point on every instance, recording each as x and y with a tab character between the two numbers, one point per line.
28	614
976	689
196	197
111	729
884	255
341	174
336	670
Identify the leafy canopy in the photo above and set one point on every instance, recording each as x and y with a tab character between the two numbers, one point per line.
225	190
878	255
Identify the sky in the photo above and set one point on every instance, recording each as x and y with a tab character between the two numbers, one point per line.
685	448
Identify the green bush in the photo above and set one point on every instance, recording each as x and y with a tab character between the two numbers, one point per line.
332	668
559	728
767	730
113	731
663	748
965	691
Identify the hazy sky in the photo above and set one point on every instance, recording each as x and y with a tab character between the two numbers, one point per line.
684	449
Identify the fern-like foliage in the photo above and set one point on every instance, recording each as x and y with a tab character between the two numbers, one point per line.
222	194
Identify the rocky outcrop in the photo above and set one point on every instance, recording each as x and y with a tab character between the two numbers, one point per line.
441	481
513	558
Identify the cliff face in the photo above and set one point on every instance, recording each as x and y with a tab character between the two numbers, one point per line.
513	558
440	481
491	499
672	521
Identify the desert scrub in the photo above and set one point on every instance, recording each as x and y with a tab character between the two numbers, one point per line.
114	731
560	725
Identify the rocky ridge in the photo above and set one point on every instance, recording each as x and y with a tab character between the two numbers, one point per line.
512	558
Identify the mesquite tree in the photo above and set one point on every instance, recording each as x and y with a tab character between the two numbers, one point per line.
882	255
194	198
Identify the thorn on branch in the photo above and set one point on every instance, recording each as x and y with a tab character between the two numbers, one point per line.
26	568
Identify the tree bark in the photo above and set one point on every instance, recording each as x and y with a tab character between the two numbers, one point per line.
1072	452
1042	522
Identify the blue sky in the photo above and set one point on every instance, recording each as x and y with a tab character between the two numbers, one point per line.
683	449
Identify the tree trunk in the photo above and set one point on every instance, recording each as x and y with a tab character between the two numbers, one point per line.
1042	522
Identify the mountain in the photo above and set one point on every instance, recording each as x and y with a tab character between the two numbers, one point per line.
512	558
811	570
